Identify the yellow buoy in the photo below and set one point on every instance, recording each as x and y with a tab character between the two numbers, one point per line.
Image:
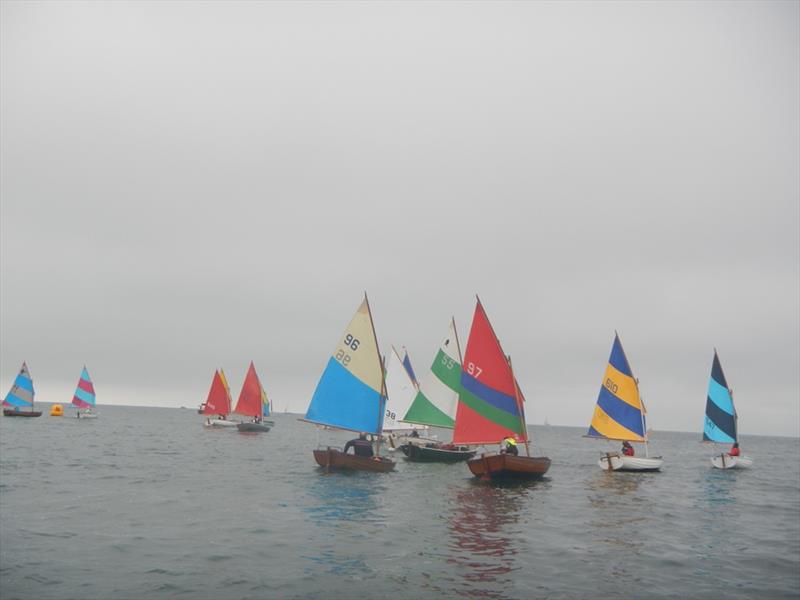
56	410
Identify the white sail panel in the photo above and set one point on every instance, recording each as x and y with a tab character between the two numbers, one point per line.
400	392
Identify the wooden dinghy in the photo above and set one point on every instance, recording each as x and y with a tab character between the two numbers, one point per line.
446	453
351	394
335	460
21	396
508	466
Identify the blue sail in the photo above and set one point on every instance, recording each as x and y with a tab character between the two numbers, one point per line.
21	393
720	420
409	369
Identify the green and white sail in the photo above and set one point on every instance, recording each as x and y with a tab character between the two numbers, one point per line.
437	399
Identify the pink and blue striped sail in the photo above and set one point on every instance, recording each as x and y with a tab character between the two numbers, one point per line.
84	394
720	421
21	393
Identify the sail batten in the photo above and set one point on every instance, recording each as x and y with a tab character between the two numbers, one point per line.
350	392
720	418
619	413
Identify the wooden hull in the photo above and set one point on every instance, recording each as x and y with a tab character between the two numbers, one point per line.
336	460
10	412
416	453
618	462
726	461
508	466
253	427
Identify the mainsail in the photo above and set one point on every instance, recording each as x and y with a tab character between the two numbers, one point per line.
84	396
619	413
350	393
720	421
489	405
436	401
251	397
21	393
400	392
219	398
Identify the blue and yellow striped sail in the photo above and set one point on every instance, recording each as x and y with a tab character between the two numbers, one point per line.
21	393
619	414
720	421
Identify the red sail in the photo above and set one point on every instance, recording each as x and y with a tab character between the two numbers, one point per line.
249	402
489	404
218	402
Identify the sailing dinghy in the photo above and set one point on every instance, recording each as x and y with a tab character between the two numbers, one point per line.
250	403
491	407
21	396
721	422
84	397
620	415
435	405
351	395
217	406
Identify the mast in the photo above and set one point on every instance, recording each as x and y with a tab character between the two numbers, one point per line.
520	407
639	393
381	402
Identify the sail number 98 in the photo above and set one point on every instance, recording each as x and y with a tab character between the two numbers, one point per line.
612	387
474	369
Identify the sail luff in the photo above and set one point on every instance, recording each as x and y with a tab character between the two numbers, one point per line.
382	403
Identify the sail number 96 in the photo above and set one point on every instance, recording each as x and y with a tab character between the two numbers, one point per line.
611	386
352	343
474	369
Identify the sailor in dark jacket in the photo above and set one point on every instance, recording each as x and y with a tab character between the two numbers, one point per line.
361	446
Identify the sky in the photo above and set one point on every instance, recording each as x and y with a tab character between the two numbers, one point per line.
186	186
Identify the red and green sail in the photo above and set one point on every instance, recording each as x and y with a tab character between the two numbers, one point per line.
489	404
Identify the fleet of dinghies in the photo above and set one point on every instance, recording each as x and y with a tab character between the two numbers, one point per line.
476	395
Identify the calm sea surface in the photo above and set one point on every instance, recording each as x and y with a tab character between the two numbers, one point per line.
145	503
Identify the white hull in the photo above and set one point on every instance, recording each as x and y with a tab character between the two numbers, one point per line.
221	423
85	416
618	462
726	461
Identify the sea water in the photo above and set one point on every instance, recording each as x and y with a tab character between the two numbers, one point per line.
146	503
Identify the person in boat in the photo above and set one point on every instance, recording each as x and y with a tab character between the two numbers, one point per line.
361	446
509	446
734	451
414	434
627	449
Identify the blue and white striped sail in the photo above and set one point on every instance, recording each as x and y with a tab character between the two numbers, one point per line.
21	393
350	393
720	421
619	413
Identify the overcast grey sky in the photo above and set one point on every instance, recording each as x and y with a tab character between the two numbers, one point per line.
194	185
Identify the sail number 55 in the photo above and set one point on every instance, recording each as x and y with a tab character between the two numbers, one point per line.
474	369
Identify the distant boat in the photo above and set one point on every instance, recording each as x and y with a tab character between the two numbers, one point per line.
251	402
21	396
491	407
620	415
84	397
217	406
351	394
435	404
721	422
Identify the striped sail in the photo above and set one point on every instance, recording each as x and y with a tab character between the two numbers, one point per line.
219	399
21	393
266	405
409	368
437	398
349	394
84	396
400	392
489	405
619	413
251	396
720	421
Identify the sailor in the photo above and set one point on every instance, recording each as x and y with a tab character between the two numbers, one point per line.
627	449
361	446
734	451
509	446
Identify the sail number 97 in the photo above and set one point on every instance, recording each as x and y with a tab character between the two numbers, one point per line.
474	369
611	386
